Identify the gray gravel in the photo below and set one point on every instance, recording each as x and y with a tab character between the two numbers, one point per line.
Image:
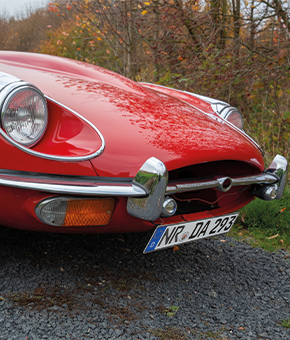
103	287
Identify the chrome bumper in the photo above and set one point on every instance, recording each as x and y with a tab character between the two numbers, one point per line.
72	185
268	185
146	192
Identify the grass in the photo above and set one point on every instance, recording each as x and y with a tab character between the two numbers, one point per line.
286	323
43	298
171	311
172	333
265	224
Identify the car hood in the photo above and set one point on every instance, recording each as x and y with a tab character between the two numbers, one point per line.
136	122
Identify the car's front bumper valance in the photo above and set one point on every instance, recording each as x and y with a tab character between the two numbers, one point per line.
146	192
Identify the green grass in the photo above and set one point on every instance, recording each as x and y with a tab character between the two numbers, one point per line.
171	311
265	224
172	333
286	323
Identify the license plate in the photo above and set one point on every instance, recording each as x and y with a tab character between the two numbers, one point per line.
176	234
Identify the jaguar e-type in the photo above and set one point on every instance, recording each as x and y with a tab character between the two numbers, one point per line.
85	150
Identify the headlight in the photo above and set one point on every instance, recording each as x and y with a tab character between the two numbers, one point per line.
229	113
233	116
24	115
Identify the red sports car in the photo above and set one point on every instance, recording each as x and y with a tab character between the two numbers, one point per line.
85	150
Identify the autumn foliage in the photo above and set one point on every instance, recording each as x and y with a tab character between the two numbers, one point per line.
236	51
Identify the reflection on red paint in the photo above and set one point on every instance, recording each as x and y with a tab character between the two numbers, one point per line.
136	122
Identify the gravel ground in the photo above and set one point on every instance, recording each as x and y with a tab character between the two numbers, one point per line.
103	287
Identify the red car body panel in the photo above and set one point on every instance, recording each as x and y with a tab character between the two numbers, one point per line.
136	121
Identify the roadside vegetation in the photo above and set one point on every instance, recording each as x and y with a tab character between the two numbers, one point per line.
286	323
237	51
265	224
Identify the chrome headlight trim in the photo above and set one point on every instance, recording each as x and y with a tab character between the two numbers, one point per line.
6	96
10	83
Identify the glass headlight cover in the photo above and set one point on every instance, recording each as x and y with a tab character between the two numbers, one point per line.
24	115
235	118
229	113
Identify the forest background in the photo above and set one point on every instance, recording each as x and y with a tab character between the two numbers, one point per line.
237	51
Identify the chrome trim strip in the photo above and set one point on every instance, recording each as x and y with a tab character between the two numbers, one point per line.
73	187
9	83
6	78
264	178
79	158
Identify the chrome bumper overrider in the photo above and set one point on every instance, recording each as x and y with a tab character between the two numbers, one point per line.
146	192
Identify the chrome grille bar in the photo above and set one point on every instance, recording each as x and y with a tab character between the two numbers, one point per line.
201	184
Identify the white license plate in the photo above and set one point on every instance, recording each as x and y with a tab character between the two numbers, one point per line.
176	234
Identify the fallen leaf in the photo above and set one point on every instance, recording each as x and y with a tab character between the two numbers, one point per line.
269	238
282	210
223	241
282	53
282	242
175	248
40	291
242	328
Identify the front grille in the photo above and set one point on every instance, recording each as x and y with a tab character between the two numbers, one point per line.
209	199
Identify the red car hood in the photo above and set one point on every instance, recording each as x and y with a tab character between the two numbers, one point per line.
136	122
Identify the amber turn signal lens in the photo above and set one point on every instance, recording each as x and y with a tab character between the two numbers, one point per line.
88	212
75	212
